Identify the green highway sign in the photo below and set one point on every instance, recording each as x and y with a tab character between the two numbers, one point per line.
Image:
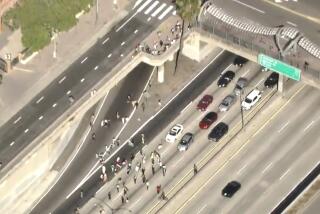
279	67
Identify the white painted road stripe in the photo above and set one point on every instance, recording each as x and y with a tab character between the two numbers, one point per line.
54	105
137	3
136	31
109	55
267	167
84	60
308	126
82	80
165	12
25	131
126	21
68	92
174	13
151	7
144	5
95	68
291	23
17	120
249	6
283	127
40	118
122	44
39	100
62	79
158	10
284	174
107	39
11	144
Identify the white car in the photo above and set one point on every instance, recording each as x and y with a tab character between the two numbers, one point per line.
252	98
174	133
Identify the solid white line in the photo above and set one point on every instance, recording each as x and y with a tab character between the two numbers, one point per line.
25	131
39	100
127	21
137	200
54	105
174	13
144	5
283	127
165	12
84	60
291	23
68	92
62	79
242	168
12	143
185	108
82	80
95	68
158	10
17	120
284	174
151	7
40	118
149	19
137	3
308	126
202	208
109	55
267	167
107	39
246	72
136	31
122	44
249	6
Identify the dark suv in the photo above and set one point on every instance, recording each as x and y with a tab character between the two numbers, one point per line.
231	188
218	132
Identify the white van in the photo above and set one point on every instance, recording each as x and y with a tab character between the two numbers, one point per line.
252	98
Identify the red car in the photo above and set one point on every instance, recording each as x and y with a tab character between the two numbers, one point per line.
206	122
204	102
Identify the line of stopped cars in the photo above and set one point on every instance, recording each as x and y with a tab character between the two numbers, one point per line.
221	129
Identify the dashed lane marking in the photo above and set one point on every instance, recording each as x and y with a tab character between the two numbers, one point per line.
40	99
17	120
84	60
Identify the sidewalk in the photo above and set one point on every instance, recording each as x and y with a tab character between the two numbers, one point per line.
26	80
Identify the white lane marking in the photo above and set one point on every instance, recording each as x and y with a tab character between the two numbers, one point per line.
68	92
54	105
122	43
247	71
291	23
136	201
284	174
121	55
12	143
283	127
95	68
39	100
165	12
107	39
174	13
84	60
17	120
176	163
158	10
308	126
185	108
242	168
202	208
136	31
144	5
267	167
258	83
40	118
25	131
151	7
249	6
82	80
109	55
137	3
62	79
127	21
149	19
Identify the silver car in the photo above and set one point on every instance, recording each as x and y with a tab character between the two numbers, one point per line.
227	102
240	85
185	142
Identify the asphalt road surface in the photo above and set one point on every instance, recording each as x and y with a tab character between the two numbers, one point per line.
273	163
153	127
79	78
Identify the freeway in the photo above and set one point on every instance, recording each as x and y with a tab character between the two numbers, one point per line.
79	78
140	199
275	160
269	13
155	125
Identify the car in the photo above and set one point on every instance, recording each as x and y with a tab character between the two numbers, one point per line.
230	189
239	61
185	142
206	122
205	101
227	102
174	133
218	132
225	78
240	85
251	99
272	80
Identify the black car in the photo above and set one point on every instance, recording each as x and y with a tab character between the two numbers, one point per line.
218	132
231	188
225	78
272	80
239	61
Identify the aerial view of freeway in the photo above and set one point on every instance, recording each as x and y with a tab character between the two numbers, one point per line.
159	106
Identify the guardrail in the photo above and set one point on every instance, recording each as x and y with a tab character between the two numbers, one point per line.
210	153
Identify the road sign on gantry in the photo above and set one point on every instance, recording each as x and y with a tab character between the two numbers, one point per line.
279	67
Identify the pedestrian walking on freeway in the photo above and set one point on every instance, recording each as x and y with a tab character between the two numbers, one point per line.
118	142
153	169
127	199
147	184
135	179
129	98
122	199
109	195
131	157
144	179
164	169
112	168
195	169
117	115
143	106
118	188
93	136
158	189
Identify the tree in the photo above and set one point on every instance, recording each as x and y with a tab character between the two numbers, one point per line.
188	11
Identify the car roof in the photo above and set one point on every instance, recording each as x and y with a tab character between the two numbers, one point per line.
242	81
230	97
253	93
176	127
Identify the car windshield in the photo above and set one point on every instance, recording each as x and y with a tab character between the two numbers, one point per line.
247	100
225	103
183	142
173	133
